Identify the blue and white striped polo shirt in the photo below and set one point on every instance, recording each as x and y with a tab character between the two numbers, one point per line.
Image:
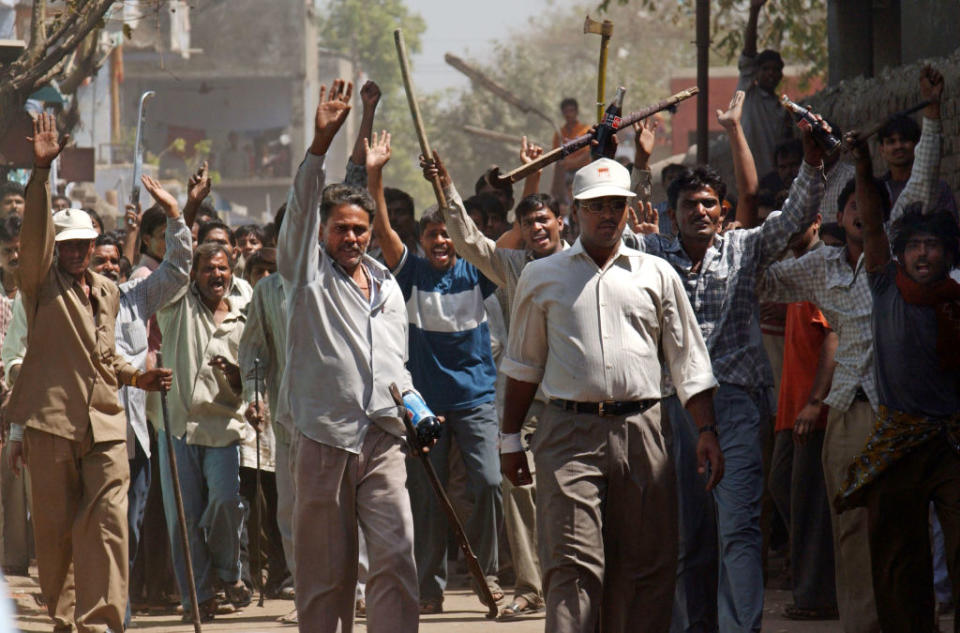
450	358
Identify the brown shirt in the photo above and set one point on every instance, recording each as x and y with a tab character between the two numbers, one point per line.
71	370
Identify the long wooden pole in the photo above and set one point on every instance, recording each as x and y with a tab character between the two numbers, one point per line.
415	113
703	80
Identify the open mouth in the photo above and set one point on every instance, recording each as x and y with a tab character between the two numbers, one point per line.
218	284
440	253
542	240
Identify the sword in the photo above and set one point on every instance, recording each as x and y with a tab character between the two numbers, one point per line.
137	153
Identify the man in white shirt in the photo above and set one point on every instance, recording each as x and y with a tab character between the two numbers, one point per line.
590	325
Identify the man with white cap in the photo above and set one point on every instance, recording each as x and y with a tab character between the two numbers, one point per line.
66	397
590	325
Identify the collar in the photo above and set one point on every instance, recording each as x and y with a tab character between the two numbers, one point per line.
232	295
623	252
840	273
531	257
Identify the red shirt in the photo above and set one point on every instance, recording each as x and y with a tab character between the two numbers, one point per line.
805	333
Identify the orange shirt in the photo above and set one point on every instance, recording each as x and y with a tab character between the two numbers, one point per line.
567	133
806	330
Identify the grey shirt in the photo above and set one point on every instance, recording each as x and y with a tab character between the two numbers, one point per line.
336	385
765	122
907	369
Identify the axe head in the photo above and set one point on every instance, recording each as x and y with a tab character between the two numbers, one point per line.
604	28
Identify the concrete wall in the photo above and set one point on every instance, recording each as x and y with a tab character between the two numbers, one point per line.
858	103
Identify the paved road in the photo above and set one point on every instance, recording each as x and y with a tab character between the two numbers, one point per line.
463	614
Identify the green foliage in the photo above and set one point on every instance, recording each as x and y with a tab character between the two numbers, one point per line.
796	28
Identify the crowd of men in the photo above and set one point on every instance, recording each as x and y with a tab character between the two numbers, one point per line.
635	397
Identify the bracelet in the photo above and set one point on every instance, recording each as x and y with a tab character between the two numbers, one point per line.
709	428
133	379
510	443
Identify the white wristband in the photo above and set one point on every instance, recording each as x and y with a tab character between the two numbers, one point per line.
510	443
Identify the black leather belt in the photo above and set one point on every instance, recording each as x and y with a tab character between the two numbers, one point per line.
605	408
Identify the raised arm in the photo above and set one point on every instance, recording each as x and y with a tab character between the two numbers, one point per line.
644	139
173	273
750	34
356	166
298	253
132	236
925	175
37	233
530	152
876	247
801	207
377	155
198	188
744	167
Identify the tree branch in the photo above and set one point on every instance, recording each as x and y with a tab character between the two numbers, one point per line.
64	26
38	30
94	12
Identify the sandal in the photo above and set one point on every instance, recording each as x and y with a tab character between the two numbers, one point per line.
290	618
238	594
793	612
431	607
207	608
520	606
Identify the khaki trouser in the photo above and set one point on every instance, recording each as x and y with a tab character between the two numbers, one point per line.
846	436
607	521
520	519
337	492
79	496
15	497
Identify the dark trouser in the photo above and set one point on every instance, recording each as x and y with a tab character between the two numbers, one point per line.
899	527
271	543
800	494
136	504
695	599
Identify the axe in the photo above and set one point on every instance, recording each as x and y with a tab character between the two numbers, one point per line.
605	31
415	113
584	140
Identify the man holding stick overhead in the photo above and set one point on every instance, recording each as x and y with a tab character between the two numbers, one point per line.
589	326
350	471
66	397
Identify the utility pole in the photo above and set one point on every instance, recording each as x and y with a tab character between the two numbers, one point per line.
703	80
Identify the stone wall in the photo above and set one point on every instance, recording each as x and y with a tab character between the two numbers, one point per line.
859	103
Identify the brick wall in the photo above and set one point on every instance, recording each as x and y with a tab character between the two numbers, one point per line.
858	103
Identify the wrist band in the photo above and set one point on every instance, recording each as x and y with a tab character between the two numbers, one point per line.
133	379
510	443
710	428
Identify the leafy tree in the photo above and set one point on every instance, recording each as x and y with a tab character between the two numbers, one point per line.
52	41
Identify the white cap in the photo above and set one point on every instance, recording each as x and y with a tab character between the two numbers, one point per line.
73	224
602	177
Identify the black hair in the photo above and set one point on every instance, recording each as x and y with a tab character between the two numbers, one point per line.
58	196
10	227
257	259
207	210
9	187
125	267
392	195
485	180
850	188
278	219
768	56
95	217
432	215
940	223
339	194
492	207
791	146
107	239
246	229
208	250
695	179
670	171
212	225
569	101
900	124
473	204
535	202
151	219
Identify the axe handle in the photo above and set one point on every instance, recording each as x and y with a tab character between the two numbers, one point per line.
473	565
602	76
583	141
415	113
873	129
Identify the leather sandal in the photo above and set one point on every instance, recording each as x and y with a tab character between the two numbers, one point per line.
520	606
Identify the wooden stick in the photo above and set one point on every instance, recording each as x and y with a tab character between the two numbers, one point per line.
415	113
584	140
510	139
473	565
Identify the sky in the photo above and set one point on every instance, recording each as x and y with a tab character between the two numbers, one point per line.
466	29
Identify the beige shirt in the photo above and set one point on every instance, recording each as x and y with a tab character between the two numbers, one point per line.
71	371
201	401
593	334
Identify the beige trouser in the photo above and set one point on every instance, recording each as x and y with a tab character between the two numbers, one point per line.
607	519
520	521
846	435
337	492
79	497
15	497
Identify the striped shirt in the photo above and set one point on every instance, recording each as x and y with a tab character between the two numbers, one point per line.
450	358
